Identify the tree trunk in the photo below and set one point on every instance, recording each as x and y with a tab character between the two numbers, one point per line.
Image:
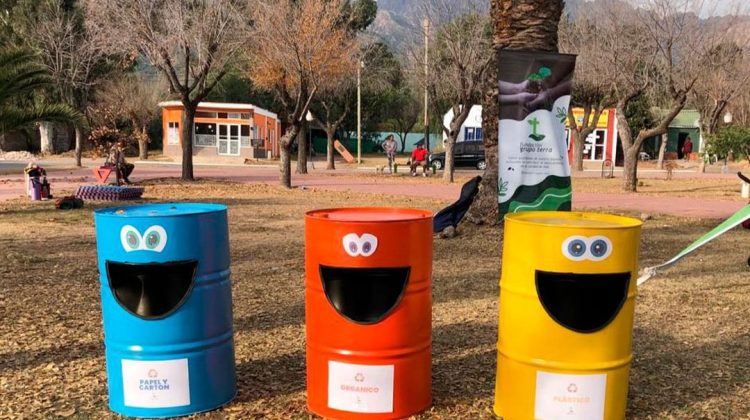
578	142
285	143
402	139
302	149
527	25
188	117
484	209
662	149
79	145
45	136
286	167
143	144
449	163
330	164
630	179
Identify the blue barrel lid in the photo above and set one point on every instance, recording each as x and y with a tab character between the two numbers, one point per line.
161	210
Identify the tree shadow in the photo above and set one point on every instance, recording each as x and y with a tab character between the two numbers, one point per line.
669	374
67	352
271	377
464	363
280	316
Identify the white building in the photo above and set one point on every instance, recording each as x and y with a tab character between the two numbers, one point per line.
472	128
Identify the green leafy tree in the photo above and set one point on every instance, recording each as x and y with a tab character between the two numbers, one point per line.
21	76
730	140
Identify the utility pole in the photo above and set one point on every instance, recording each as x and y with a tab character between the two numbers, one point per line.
359	111
426	26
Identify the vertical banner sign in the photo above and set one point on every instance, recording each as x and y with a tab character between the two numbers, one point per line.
534	173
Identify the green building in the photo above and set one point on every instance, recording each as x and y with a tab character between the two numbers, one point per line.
686	124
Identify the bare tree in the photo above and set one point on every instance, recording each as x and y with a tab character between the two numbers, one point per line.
658	50
461	55
298	47
192	43
526	25
726	76
409	109
134	97
591	84
333	106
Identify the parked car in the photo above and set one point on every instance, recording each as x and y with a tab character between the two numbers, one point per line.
465	153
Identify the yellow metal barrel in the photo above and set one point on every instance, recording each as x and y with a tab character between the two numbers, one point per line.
567	296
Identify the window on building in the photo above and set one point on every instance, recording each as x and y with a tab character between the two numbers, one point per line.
205	114
246	115
473	134
205	135
223	115
245	136
173	133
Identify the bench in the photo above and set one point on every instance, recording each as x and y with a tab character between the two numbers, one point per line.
408	166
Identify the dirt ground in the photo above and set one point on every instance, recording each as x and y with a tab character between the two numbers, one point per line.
691	339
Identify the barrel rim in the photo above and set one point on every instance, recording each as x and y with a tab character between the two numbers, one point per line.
194	209
409	214
617	222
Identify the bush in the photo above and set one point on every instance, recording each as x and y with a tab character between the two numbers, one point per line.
730	140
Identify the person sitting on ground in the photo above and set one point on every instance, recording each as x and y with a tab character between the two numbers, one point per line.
419	158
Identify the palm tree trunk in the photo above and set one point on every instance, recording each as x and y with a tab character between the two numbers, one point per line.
520	25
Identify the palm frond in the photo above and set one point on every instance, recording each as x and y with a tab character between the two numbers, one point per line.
13	117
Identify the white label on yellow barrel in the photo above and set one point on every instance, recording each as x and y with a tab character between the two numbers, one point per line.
573	397
360	388
155	384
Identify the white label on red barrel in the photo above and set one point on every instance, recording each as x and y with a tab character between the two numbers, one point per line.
155	384
360	388
573	397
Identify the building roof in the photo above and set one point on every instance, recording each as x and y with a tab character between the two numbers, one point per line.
223	105
687	118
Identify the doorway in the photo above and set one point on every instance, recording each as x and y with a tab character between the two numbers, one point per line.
681	138
229	139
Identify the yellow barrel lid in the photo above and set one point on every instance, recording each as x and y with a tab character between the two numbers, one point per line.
574	219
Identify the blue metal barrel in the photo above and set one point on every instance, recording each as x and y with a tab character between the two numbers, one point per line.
166	307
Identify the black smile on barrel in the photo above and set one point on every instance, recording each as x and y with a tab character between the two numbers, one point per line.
151	291
364	295
584	303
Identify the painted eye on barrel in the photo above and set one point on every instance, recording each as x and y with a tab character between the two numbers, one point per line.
130	238
355	245
574	248
369	244
351	244
155	238
600	248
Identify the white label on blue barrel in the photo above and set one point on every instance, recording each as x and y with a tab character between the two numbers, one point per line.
155	383
574	397
360	388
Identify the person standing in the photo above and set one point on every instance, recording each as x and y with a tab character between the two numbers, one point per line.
389	146
419	158
687	148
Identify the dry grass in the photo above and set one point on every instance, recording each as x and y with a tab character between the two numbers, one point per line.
713	188
692	337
